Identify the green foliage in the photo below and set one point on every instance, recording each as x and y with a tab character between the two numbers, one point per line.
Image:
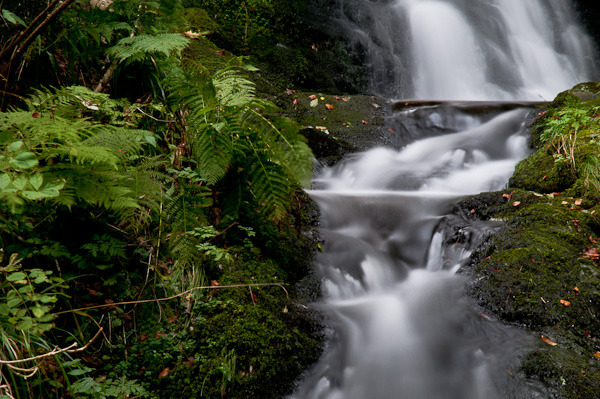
121	388
238	139
137	48
572	132
45	155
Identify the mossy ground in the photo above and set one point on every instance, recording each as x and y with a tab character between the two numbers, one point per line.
541	270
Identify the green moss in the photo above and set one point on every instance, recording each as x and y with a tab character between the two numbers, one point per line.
536	270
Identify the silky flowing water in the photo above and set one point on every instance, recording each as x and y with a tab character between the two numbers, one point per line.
400	324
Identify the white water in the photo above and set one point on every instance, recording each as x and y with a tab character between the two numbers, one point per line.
470	49
401	327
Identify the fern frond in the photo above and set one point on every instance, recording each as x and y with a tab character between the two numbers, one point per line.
234	89
136	48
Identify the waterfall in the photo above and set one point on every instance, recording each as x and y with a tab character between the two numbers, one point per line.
469	50
400	324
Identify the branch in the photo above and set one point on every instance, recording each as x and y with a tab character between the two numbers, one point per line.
69	349
14	43
216	287
26	42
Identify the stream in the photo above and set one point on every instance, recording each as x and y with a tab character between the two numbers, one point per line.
400	326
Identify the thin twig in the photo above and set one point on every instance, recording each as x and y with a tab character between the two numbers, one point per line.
69	349
108	305
151	117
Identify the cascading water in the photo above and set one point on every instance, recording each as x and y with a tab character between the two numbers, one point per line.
401	327
469	49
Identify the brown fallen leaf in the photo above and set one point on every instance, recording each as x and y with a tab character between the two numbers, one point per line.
566	303
164	373
548	341
592	253
313	96
578	202
564	203
516	203
592	240
507	196
320	128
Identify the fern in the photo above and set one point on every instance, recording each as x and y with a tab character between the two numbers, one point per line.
136	48
77	159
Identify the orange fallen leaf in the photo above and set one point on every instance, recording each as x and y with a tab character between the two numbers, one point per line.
214	283
164	373
564	203
592	253
343	99
592	240
336	97
576	289
328	106
191	34
312	97
566	303
555	193
516	203
597	355
296	101
472	210
507	196
578	202
365	122
549	341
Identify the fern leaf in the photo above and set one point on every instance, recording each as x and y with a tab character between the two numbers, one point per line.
137	47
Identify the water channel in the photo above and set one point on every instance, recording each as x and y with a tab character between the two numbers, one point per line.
400	325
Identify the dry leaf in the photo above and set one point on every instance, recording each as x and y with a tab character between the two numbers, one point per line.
164	373
576	289
320	128
192	35
564	203
592	240
507	196
566	303
343	99
548	341
516	203
555	194
592	253
312	97
365	122
328	106
337	98
578	202
322	98
597	355
314	103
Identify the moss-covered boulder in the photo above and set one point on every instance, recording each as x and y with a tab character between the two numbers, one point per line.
541	269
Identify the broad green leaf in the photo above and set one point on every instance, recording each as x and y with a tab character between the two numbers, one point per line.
39	311
25	324
26	289
36	181
47	299
12	18
4	309
4	181
25	160
15	146
34	195
20	182
12	303
16	276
